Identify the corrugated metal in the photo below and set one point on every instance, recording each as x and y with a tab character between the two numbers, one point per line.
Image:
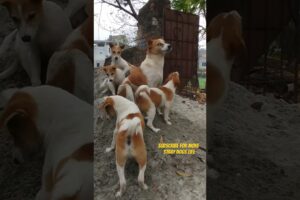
181	30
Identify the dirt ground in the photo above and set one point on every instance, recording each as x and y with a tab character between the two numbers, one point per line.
162	173
255	151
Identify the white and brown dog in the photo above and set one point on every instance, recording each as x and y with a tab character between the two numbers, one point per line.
38	119
42	27
150	99
127	137
114	77
116	58
71	67
224	43
151	70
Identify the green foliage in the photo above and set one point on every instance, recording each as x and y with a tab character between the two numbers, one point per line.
190	6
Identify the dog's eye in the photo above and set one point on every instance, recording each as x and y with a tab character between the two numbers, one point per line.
112	74
114	52
31	16
160	44
119	52
107	74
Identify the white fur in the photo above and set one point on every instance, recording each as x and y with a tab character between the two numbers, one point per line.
217	58
153	68
120	63
83	66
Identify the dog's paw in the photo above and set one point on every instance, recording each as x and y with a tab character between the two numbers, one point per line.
119	194
168	122
143	185
155	130
109	149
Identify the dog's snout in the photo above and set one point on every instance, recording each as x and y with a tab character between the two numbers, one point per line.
169	46
110	80
116	58
26	38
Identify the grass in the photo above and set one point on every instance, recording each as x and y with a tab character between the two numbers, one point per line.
202	82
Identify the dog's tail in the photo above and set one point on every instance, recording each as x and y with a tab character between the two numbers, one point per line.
142	89
126	91
132	126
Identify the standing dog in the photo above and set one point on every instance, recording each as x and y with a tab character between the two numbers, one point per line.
51	119
42	27
127	137
225	43
148	99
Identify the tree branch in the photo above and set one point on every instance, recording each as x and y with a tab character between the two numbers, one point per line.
133	14
131	8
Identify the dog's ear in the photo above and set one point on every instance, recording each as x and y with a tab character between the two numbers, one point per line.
104	68
107	108
122	46
19	118
176	79
150	41
111	44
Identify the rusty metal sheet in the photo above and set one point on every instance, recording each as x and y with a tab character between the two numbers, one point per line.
181	30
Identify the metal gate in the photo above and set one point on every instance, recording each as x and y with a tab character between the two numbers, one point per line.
181	30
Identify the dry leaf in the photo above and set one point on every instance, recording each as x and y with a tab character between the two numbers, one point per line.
184	174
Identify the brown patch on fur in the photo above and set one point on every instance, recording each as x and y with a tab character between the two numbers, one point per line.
19	116
73	197
215	84
154	46
109	69
116	49
122	90
140	153
156	98
139	149
142	103
174	76
120	147
84	153
136	77
230	26
108	106
64	77
139	115
168	92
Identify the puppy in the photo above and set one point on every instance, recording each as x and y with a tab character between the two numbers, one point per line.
117	60
71	67
148	99
151	70
225	43
115	77
42	27
50	119
127	137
